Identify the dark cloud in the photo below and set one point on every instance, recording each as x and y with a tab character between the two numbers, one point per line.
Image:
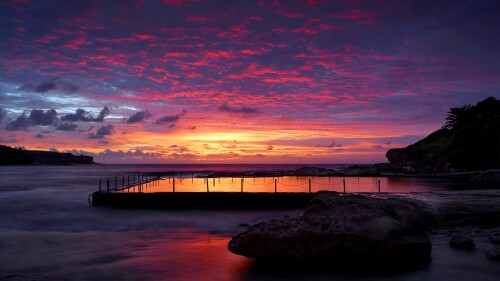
171	118
20	123
3	114
45	87
71	89
127	154
331	145
80	152
66	126
39	136
81	115
37	117
139	117
182	149
101	132
43	118
242	112
192	128
270	147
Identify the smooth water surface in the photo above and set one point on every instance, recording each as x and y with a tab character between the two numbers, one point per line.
284	184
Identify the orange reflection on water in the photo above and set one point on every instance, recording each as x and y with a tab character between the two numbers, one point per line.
266	184
188	255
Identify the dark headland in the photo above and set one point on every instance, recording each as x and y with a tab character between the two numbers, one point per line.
469	140
12	156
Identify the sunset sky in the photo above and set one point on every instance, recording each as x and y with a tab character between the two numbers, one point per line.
192	81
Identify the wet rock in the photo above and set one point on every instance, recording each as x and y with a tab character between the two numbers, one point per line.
336	227
462	242
493	254
495	238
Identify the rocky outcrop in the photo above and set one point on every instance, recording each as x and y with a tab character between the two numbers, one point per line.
493	254
469	140
342	228
462	242
12	156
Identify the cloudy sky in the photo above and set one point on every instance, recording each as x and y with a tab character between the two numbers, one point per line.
193	81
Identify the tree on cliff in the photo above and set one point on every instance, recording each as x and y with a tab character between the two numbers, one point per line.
457	116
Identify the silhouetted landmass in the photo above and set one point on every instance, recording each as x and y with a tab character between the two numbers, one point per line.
469	140
12	156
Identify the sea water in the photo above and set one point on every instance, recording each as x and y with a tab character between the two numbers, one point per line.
49	231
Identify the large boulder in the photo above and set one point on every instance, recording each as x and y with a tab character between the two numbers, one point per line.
344	228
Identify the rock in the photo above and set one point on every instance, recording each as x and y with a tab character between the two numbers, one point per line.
462	242
493	254
495	238
346	228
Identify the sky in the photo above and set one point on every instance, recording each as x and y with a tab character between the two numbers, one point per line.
193	81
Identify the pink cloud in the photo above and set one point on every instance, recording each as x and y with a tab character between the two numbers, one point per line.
357	16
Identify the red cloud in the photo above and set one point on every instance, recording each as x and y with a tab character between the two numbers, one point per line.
259	51
190	18
75	44
145	37
174	2
290	14
305	30
357	16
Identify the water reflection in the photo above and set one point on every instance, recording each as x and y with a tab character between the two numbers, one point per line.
291	184
187	255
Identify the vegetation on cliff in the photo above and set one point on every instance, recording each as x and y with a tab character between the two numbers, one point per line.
469	140
12	156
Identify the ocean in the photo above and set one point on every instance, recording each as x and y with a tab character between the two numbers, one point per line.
49	231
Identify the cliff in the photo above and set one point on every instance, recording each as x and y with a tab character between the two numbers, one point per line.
469	140
12	156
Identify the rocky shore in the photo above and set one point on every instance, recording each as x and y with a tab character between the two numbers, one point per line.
12	156
338	229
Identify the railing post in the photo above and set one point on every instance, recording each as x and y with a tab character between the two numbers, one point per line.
107	185
123	181
214	181
207	185
99	185
379	186
128	179
343	180
274	185
173	185
309	185
241	185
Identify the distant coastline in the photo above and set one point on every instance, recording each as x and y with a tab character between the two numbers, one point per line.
13	156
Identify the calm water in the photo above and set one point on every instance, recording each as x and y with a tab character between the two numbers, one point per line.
287	184
47	228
